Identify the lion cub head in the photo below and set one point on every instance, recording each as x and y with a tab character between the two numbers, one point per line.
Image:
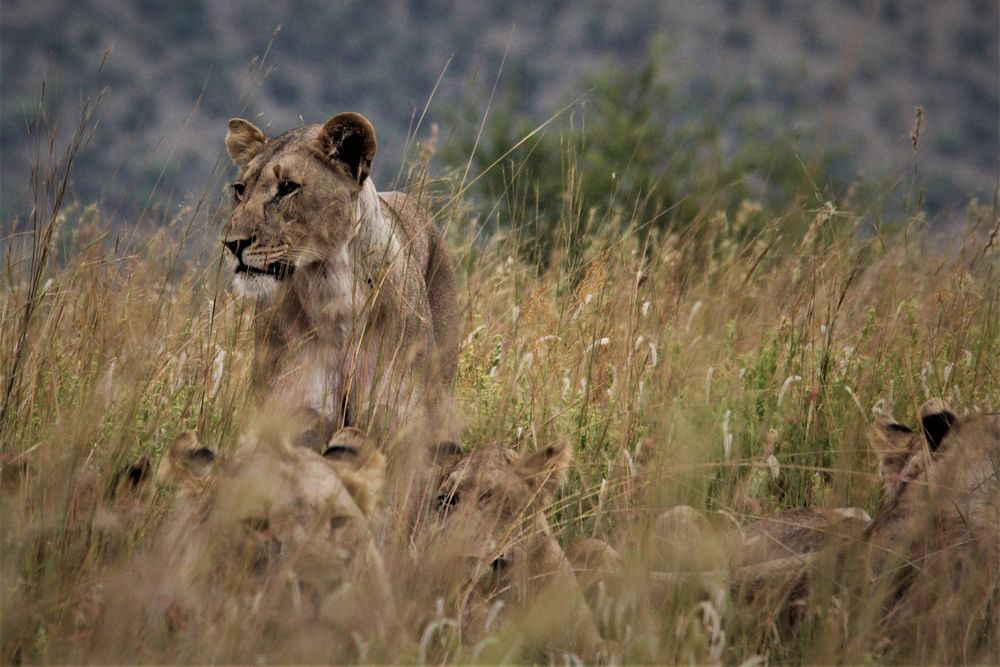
493	540
935	543
298	199
280	532
941	480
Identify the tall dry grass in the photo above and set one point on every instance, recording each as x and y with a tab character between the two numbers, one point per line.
732	365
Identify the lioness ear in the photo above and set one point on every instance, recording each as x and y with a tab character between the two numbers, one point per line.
360	465
244	141
186	460
546	470
349	138
936	421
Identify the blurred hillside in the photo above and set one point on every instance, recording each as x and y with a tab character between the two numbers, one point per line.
845	73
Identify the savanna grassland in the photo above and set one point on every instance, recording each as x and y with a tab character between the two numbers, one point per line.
707	348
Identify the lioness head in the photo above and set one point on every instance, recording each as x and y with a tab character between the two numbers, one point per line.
296	200
280	532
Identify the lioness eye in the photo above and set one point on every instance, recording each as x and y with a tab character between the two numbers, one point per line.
286	188
238	189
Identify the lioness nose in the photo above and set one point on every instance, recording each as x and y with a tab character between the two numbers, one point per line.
236	247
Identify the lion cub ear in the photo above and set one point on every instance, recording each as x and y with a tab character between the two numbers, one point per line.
546	470
349	139
186	462
893	443
131	480
360	465
445	454
244	141
936	421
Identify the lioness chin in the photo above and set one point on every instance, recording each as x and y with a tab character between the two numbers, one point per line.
354	290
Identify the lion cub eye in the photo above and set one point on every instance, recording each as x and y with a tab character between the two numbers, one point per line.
286	188
257	524
338	451
238	190
447	500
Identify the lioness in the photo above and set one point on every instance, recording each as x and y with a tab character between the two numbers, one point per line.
355	290
266	553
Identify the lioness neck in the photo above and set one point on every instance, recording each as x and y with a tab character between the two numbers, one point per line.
307	331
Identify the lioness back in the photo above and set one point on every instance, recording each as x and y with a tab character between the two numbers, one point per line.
439	276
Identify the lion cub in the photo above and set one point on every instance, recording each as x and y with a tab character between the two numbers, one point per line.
920	582
265	552
934	554
493	546
354	289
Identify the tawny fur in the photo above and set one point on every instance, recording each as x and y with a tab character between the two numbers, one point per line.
493	542
355	291
274	530
922	579
934	555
